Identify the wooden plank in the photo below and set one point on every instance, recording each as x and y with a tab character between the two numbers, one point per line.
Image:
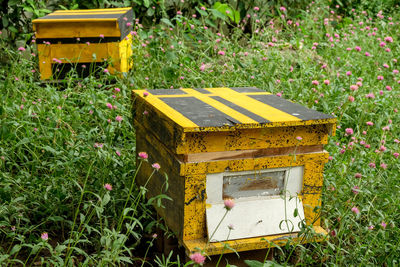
99	10
78	28
125	53
114	57
44	53
244	139
157	122
254	243
71	53
195	207
86	20
82	12
172	213
250	153
151	145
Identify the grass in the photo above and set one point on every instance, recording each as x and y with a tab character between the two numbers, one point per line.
60	146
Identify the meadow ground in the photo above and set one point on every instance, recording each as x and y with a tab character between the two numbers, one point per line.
67	153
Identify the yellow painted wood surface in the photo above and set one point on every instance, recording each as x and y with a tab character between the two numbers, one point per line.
125	53
117	53
81	12
114	57
311	191
255	243
71	53
44	54
253	138
190	196
194	223
99	10
76	29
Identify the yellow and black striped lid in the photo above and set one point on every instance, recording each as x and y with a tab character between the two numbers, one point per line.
221	109
88	18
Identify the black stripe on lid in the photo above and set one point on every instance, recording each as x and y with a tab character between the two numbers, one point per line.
199	112
240	109
246	89
201	90
166	92
94	11
122	23
293	109
122	18
86	16
81	40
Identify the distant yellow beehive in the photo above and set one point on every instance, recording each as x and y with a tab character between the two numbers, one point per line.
82	37
233	143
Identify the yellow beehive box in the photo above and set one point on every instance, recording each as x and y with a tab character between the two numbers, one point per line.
245	144
83	37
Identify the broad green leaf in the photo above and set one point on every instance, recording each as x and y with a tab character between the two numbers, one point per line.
5	21
201	12
150	12
236	16
167	21
15	249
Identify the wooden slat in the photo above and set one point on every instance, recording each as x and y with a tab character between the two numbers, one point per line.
77	28
44	61
251	243
83	13
42	21
104	10
125	53
243	139
173	210
250	153
68	53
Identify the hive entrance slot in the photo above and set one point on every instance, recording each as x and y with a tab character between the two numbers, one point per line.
82	69
256	184
261	203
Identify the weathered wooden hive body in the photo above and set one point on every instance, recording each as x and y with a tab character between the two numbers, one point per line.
79	38
236	143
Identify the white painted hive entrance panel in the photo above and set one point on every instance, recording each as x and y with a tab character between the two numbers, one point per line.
260	207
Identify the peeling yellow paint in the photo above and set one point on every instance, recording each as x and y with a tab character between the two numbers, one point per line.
117	52
172	136
246	244
61	26
195	177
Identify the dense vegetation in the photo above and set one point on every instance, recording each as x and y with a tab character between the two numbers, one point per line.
67	152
